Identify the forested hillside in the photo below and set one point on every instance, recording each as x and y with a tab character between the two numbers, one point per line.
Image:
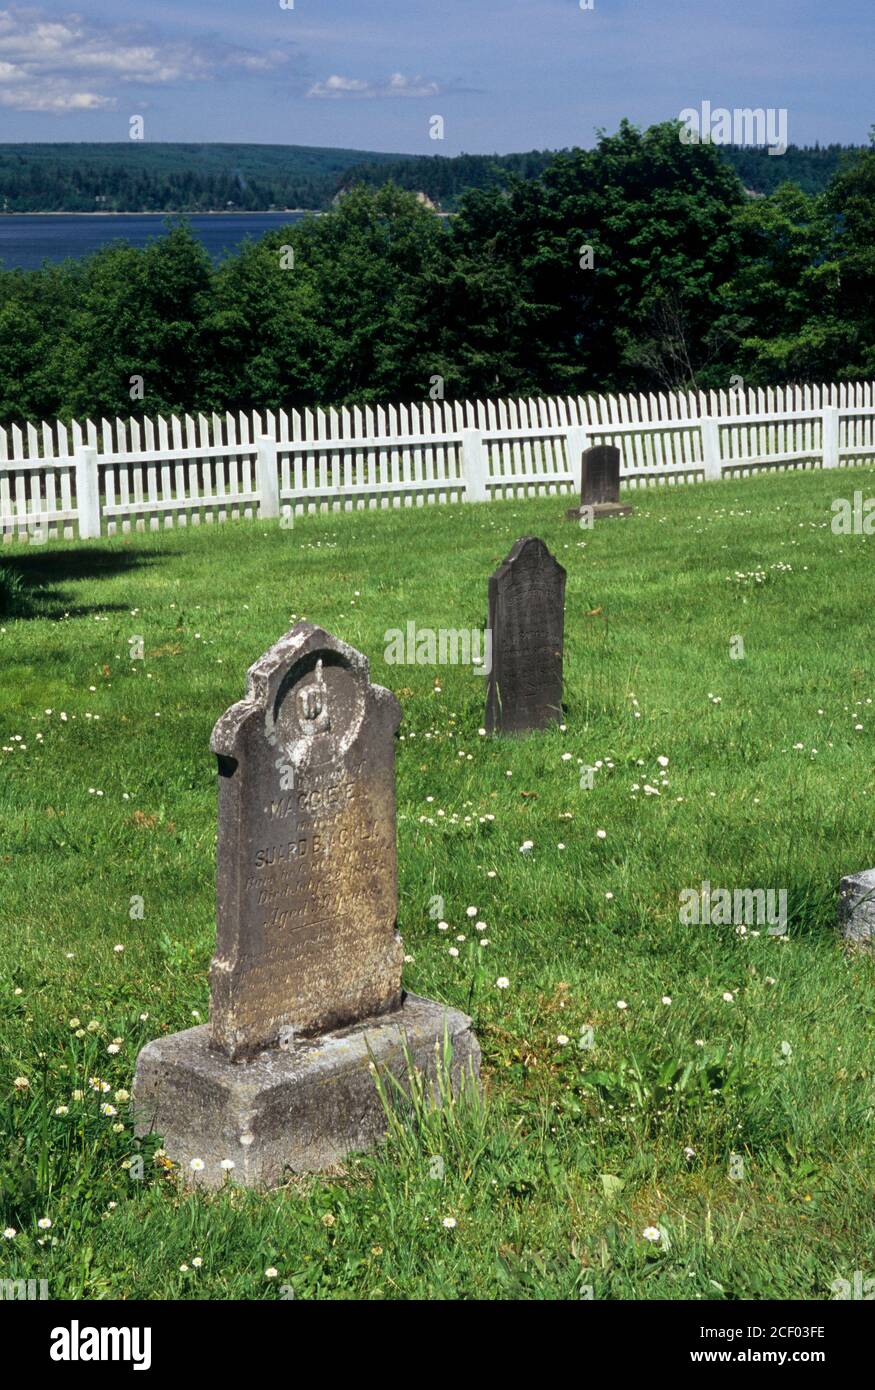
145	177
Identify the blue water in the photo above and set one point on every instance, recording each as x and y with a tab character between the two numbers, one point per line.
25	241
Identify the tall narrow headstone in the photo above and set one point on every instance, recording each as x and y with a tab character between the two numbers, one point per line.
306	884
527	622
305	985
599	484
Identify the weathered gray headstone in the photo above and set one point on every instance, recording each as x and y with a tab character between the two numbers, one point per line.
527	621
856	917
306	981
599	484
306	882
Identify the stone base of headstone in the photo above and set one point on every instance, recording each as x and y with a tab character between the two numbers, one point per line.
599	510
857	908
294	1110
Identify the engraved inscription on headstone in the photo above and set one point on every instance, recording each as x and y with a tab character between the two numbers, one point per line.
600	483
526	617
306	872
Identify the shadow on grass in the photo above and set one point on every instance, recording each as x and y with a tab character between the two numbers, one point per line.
31	583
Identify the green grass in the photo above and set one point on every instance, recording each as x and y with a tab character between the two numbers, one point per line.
574	1151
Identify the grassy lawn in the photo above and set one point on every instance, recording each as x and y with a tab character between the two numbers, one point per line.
756	1166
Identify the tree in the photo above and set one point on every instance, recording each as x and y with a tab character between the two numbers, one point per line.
140	314
802	306
376	266
658	216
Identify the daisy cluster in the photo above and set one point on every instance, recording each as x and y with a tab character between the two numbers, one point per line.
759	576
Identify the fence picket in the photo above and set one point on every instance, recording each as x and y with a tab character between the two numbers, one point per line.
66	525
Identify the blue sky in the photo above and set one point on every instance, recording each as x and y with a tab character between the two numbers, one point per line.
369	74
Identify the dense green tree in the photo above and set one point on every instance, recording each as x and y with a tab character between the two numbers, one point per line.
658	217
764	320
331	309
846	277
801	306
264	337
377	266
36	314
139	314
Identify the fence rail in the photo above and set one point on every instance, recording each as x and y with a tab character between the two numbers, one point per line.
63	481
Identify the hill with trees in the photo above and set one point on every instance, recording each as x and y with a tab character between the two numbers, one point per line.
138	176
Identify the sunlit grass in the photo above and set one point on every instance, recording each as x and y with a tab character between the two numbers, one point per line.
110	798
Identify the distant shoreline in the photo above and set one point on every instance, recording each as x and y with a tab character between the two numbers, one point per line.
248	212
173	212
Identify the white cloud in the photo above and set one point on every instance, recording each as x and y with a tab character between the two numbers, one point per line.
336	87
68	64
35	99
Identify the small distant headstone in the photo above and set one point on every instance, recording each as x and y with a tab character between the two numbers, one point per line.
856	917
305	986
599	484
527	621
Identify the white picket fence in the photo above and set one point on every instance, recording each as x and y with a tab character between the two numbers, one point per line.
81	480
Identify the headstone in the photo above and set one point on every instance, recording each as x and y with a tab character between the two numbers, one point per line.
527	620
599	484
305	986
306	882
856	916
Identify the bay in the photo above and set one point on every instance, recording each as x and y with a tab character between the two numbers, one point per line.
27	240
